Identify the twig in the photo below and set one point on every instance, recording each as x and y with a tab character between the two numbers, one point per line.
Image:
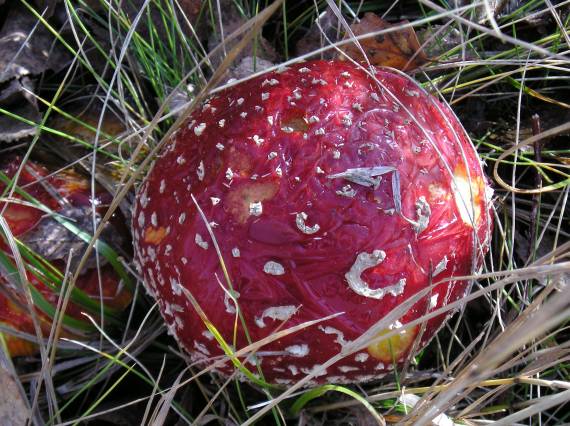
536	129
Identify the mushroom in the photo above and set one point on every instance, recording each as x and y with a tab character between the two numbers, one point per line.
351	189
68	194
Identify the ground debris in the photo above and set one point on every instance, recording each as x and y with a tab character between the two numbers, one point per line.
248	66
437	40
16	97
53	241
231	20
365	176
26	50
13	406
325	29
501	8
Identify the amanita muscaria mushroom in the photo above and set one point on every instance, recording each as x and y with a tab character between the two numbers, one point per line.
329	188
43	238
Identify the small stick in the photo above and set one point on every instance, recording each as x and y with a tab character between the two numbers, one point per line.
536	129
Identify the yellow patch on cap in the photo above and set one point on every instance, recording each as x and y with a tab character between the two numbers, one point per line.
393	348
154	235
468	192
239	200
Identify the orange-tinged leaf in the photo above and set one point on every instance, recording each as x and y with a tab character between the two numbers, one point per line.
19	347
397	49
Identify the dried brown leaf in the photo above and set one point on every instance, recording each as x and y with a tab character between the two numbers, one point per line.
27	48
398	49
53	241
15	97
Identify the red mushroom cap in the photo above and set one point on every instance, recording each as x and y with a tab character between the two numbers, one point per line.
329	189
68	194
